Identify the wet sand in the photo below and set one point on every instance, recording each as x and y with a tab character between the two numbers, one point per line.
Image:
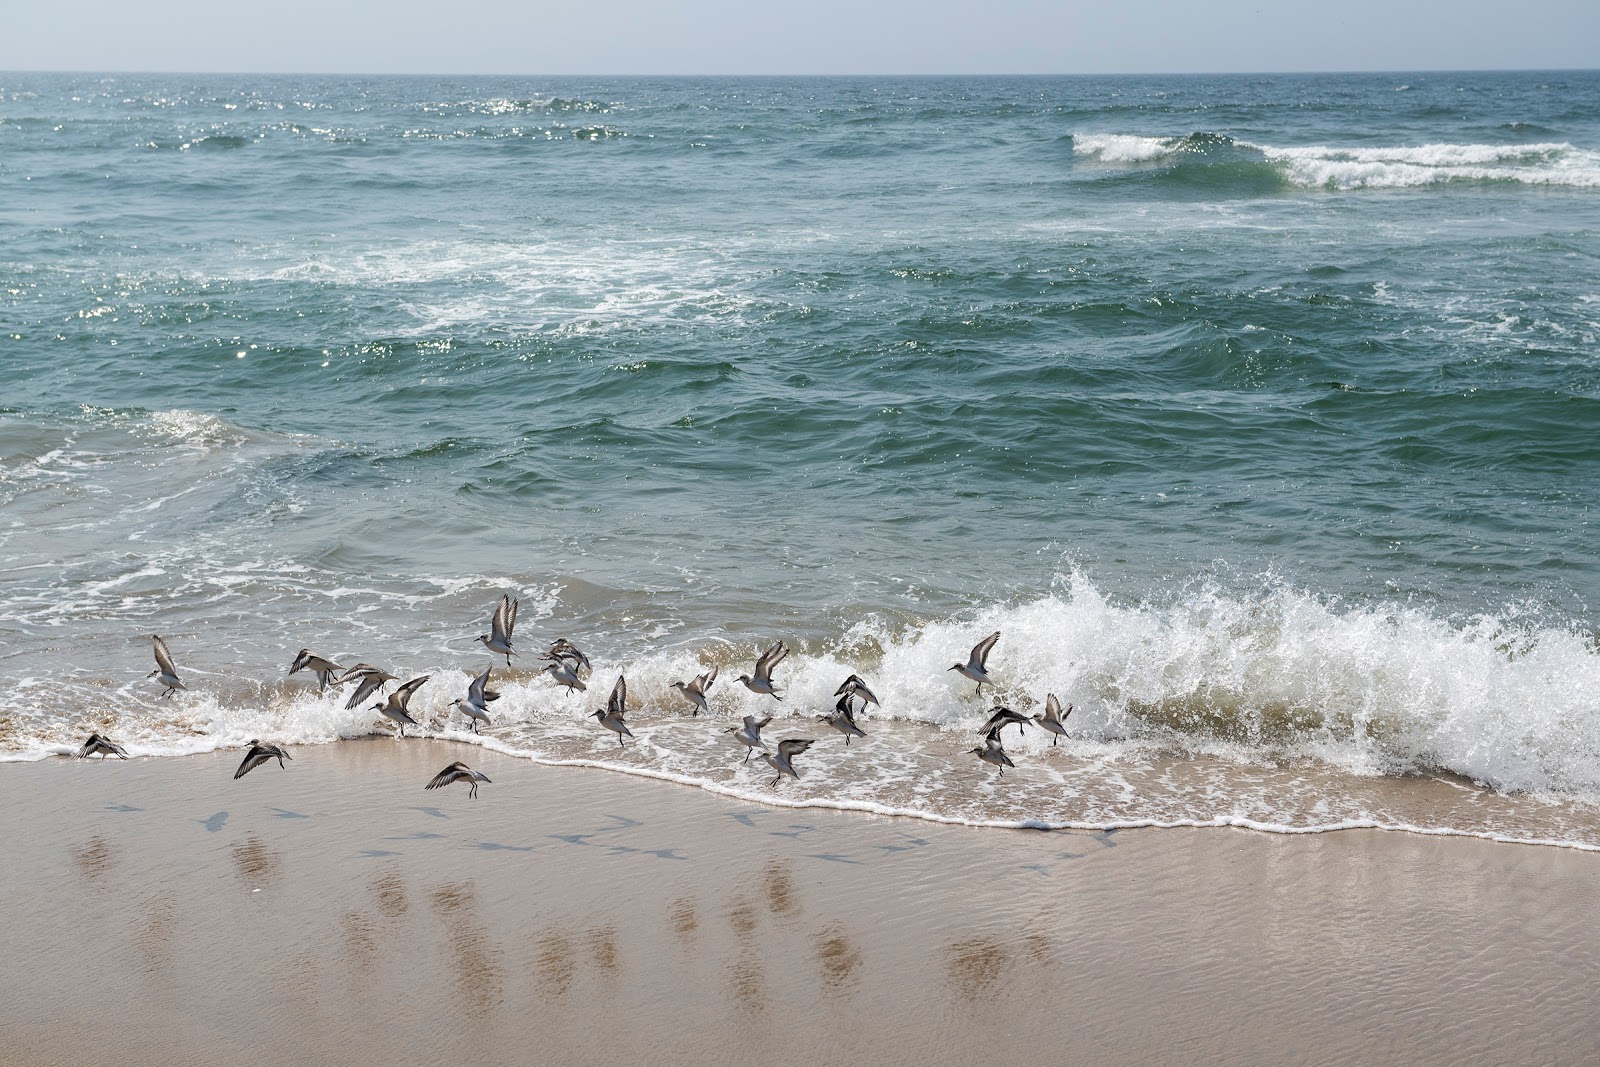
159	912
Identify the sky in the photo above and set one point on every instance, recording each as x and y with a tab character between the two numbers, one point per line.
789	37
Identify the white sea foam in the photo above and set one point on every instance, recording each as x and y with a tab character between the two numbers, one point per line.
1395	166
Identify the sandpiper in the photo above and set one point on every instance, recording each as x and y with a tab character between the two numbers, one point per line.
762	682
101	746
843	719
615	709
260	752
1054	719
458	772
783	762
476	706
974	667
749	735
395	707
695	692
565	672
1002	718
563	649
853	686
372	680
165	672
993	753
322	668
501	624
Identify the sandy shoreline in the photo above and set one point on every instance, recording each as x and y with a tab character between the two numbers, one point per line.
334	912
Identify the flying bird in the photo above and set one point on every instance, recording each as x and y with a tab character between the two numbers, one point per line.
322	668
501	624
762	682
395	707
563	649
749	735
476	706
695	692
1053	718
372	680
1002	718
843	719
565	672
616	707
260	752
993	753
783	762
975	667
165	672
458	772
853	686
100	746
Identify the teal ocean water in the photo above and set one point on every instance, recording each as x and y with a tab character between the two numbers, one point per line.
1260	414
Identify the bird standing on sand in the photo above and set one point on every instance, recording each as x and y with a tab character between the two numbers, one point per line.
260	752
165	672
762	682
372	680
459	772
322	668
749	735
975	667
1002	718
854	687
695	692
101	746
395	707
501	624
616	707
1053	718
993	753
476	706
843	719
783	762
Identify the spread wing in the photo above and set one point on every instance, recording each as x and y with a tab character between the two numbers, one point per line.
1052	707
402	696
617	706
164	658
793	746
252	759
300	661
369	685
476	691
505	619
770	660
704	681
980	651
448	775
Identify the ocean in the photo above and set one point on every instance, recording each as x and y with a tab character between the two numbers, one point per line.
1260	414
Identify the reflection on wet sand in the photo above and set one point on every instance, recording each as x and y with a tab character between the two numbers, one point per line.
555	962
360	939
391	893
254	861
684	920
95	857
777	882
975	966
838	955
474	957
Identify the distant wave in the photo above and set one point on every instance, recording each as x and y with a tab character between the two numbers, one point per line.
1340	168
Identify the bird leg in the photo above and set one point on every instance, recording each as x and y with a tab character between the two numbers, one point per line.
747	753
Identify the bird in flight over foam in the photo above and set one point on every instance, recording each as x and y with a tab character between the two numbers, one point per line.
762	682
1002	718
565	651
100	746
749	735
476	706
565	672
843	719
260	752
458	772
165	672
976	666
993	753
322	668
394	708
501	624
616	707
372	680
695	692
783	762
1053	718
854	688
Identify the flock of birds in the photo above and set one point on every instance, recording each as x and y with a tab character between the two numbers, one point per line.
566	665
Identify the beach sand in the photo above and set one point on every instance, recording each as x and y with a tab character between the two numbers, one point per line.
159	912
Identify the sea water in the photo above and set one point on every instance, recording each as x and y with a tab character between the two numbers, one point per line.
1259	414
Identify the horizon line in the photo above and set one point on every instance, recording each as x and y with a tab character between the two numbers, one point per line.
971	74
